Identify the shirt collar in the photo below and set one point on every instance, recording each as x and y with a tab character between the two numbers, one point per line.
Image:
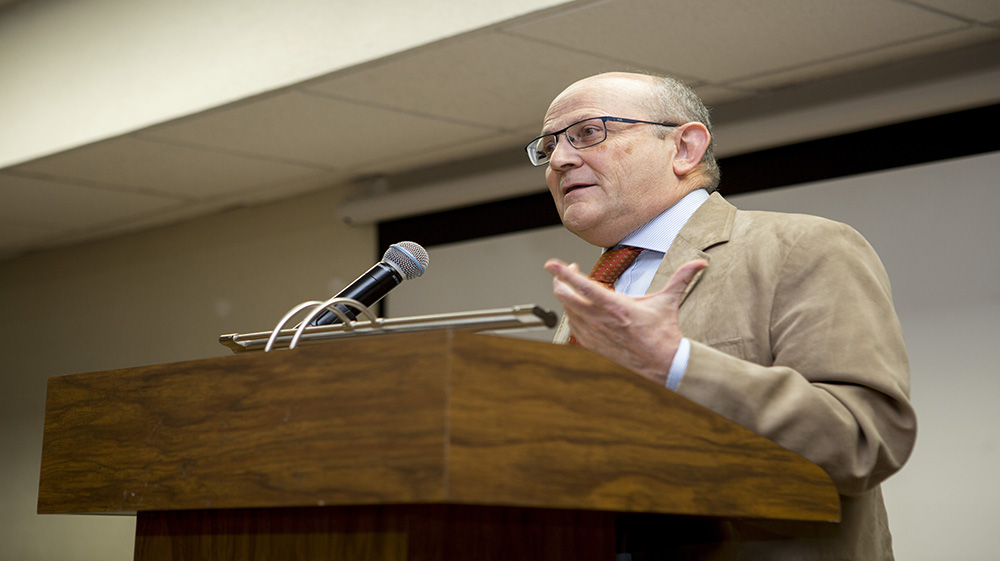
659	233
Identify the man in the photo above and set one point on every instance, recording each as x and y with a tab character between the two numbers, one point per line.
781	323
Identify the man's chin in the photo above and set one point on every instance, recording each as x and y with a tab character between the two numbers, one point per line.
588	228
578	220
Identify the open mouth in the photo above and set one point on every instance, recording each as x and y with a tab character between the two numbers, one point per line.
572	188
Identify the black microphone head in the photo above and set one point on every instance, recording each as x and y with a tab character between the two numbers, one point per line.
409	258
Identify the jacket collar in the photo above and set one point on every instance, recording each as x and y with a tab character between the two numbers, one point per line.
710	225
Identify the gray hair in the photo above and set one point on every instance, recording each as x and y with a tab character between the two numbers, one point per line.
674	101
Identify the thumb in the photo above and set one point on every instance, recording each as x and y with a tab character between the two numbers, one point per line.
682	277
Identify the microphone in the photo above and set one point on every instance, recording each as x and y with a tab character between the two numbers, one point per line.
402	261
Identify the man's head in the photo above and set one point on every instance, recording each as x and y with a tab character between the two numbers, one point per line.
605	191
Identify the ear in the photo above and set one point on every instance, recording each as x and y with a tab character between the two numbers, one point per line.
691	140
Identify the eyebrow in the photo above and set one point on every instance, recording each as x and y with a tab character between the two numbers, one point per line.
571	123
544	132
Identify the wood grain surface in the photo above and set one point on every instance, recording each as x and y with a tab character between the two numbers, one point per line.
438	417
591	434
355	423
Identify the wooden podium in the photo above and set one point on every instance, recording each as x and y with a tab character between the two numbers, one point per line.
436	445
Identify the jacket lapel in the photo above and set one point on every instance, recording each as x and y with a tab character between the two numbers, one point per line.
710	225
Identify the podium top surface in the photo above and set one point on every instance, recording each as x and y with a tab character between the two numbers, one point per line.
423	418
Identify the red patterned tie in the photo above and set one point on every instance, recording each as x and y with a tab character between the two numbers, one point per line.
609	267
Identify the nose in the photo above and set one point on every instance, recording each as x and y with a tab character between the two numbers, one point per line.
564	155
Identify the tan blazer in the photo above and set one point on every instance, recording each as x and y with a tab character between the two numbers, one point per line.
794	336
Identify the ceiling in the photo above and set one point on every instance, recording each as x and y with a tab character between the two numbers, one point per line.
774	71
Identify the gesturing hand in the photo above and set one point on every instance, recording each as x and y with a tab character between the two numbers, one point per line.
641	334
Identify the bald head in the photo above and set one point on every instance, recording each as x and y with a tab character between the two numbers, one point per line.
621	84
616	158
660	98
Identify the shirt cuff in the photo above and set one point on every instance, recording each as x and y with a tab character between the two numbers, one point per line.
679	365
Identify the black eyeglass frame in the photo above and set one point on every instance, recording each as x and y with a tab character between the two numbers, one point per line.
532	152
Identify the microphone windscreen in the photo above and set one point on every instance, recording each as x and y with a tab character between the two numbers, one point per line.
409	258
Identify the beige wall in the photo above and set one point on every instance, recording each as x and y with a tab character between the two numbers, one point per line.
158	296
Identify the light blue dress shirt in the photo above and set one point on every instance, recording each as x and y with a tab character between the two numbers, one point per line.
655	237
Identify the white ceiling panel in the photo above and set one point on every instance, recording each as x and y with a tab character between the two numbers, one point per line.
165	169
713	95
983	11
858	113
868	59
16	237
60	205
777	71
193	209
317	130
485	78
461	151
717	41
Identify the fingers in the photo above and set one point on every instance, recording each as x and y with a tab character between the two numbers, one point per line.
558	268
640	333
569	277
563	275
683	276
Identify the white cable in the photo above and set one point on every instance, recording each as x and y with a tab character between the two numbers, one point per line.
328	305
298	308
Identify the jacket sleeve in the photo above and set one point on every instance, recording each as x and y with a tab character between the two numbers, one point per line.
829	378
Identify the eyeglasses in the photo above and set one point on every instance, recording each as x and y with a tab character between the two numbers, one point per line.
581	134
